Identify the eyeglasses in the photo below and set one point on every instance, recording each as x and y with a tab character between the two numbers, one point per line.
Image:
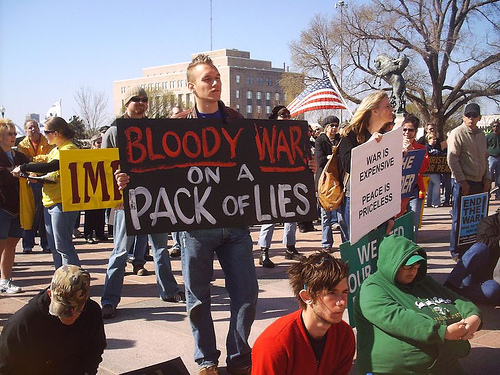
10	134
50	131
408	130
413	266
136	99
472	115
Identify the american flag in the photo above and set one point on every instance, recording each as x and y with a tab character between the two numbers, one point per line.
320	95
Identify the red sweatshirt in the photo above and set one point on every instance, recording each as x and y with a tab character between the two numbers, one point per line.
283	348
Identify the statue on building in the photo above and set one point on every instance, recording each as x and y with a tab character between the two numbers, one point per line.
391	69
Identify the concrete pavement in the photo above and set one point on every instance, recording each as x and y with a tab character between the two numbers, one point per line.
147	330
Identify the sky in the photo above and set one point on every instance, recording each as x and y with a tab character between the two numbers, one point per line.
49	49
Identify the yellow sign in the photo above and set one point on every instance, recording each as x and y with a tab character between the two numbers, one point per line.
87	179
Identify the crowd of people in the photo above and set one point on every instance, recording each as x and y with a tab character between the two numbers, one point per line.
399	306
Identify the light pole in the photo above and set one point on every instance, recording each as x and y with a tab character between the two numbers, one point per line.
2	110
341	5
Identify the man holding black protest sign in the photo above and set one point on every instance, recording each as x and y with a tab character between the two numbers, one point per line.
232	245
136	103
468	161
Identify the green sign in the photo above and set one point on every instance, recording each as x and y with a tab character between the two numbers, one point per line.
362	256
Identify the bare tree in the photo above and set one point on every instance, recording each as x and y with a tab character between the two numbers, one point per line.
453	46
93	106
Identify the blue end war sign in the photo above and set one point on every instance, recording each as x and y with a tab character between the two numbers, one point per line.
188	174
412	162
473	209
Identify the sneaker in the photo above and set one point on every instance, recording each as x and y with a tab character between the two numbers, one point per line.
148	258
211	370
7	286
90	240
27	251
291	253
175	253
239	371
179	297
327	249
140	271
335	226
77	233
108	311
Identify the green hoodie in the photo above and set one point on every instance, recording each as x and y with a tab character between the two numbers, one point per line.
401	328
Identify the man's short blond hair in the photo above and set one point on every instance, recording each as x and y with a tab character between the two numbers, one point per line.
198	60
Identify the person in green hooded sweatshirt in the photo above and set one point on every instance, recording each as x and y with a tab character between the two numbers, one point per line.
407	322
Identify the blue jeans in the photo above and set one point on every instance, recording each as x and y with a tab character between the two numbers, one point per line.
416	206
115	273
328	218
434	190
469	273
475	188
176	240
344	219
446	181
494	162
139	250
267	230
233	247
59	226
38	221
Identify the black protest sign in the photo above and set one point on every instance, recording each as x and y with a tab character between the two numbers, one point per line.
188	174
438	164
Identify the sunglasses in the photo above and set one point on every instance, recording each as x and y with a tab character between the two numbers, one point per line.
136	99
472	115
413	266
50	131
408	130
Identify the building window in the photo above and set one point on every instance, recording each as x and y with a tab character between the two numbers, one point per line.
249	109
179	99
188	100
249	94
250	80
268	96
172	84
237	94
259	81
268	109
238	107
259	109
277	96
238	78
259	95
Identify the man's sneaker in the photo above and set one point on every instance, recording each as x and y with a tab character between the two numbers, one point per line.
77	233
335	226
140	271
27	251
239	371
108	311
175	253
148	258
291	253
7	286
179	297
212	370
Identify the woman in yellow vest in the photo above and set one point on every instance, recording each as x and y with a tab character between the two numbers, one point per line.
59	224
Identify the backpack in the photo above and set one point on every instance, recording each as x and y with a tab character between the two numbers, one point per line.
330	191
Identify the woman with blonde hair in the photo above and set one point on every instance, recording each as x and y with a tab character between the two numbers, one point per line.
366	124
10	227
58	223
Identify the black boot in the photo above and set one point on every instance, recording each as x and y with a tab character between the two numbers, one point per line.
264	260
291	253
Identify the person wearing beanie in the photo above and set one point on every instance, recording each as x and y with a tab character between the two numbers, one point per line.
468	160
58	332
425	325
136	104
323	151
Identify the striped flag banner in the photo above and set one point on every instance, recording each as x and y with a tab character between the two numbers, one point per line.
320	95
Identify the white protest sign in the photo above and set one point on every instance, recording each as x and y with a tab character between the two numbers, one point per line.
375	180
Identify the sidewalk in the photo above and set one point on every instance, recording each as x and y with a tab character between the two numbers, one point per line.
147	330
